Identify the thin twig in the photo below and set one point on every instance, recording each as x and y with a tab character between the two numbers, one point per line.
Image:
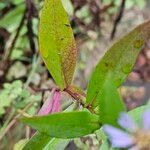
35	64
34	67
29	16
41	90
14	120
5	64
7	56
28	129
9	118
118	19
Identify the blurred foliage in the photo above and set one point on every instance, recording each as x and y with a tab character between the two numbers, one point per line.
19	45
16	96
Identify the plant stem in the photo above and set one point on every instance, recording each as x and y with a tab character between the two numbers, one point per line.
34	67
11	114
7	126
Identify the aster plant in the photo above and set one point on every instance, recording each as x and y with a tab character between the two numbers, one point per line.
101	104
132	136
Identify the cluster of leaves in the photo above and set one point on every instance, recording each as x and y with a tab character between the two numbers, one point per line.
15	95
103	102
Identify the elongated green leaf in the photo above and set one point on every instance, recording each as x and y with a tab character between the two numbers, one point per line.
45	142
110	103
119	59
38	141
20	144
57	144
57	44
65	125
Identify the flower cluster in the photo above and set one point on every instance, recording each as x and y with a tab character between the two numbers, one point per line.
133	137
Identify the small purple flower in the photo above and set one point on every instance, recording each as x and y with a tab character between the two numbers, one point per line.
133	137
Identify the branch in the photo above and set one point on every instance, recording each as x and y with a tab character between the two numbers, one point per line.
29	15
6	63
118	19
16	36
11	124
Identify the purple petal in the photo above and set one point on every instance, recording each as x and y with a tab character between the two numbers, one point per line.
118	138
52	104
146	120
127	122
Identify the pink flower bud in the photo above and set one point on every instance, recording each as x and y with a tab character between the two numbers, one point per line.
52	104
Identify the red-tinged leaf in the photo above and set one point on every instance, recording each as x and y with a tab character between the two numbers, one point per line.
119	60
57	44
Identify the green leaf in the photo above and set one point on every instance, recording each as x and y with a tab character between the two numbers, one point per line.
17	2
119	59
110	103
20	144
65	125
57	44
38	141
105	145
2	111
68	7
136	113
57	144
42	141
45	142
11	19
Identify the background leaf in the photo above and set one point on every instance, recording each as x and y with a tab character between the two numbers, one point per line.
57	44
65	125
38	141
105	145
57	144
20	144
10	20
119	59
137	113
110	103
45	142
